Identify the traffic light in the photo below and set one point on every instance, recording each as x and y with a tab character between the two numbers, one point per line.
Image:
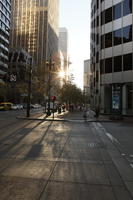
53	98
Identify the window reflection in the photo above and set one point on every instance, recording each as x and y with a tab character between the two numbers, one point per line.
117	37
127	34
127	7
117	11
129	97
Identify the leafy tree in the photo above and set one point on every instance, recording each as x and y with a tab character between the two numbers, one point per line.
70	93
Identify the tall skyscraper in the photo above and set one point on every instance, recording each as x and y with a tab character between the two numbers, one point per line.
63	41
87	77
5	14
112	55
63	46
35	28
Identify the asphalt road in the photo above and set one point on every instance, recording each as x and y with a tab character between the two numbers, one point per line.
121	134
8	118
59	160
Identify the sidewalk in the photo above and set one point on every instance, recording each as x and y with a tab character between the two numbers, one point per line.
68	116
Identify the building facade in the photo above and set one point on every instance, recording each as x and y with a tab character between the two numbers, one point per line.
35	28
112	55
5	14
19	65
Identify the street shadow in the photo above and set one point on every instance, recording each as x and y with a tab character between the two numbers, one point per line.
12	140
34	151
36	148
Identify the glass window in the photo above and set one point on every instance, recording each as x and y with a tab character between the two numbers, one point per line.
101	66
97	57
127	62
127	7
97	39
118	64
108	15
117	11
117	36
102	41
127	34
102	18
108	40
94	8
108	65
130	97
97	4
97	21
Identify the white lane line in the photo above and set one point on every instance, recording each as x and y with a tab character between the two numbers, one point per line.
131	165
123	154
113	139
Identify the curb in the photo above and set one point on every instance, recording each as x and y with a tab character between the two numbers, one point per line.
64	120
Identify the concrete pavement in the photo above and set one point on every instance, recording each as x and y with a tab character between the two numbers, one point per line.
63	160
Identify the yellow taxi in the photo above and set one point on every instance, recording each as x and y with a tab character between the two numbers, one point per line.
5	106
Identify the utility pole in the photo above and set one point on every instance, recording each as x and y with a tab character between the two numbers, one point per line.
49	65
29	90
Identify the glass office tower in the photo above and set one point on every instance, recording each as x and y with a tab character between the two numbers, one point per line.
35	28
112	55
5	14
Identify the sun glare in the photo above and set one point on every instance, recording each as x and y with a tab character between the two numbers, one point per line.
61	74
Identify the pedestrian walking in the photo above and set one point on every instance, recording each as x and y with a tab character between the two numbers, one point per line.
85	116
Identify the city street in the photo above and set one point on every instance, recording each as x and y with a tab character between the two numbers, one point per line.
67	159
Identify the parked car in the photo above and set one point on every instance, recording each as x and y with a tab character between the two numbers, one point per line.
37	106
20	106
14	107
6	106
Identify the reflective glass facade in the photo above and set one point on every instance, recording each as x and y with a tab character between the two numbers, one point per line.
35	28
5	13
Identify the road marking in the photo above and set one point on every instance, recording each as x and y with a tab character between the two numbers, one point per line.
113	139
91	145
131	165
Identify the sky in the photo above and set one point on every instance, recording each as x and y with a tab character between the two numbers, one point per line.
75	16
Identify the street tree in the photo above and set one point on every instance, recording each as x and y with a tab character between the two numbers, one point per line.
70	93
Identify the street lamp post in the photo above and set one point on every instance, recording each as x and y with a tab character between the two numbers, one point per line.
50	63
29	91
